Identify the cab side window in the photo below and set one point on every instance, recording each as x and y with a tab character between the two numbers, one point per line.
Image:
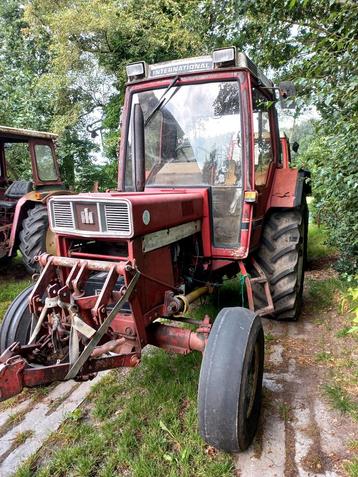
262	136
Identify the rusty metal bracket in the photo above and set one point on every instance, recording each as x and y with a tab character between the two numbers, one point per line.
262	279
86	353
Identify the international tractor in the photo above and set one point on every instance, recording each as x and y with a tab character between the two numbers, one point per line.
203	196
23	211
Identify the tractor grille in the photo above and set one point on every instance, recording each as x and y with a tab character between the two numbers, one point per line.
117	218
91	218
63	215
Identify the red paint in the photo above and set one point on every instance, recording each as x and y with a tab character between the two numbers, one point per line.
283	188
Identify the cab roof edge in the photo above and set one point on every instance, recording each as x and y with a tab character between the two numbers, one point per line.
141	70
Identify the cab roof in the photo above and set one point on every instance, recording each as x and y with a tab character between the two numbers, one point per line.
18	134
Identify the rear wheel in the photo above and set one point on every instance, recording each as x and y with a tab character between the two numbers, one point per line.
282	256
35	237
229	396
16	325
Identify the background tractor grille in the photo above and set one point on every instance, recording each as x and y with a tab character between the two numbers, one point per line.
62	215
117	218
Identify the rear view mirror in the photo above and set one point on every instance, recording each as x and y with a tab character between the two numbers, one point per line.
287	94
295	146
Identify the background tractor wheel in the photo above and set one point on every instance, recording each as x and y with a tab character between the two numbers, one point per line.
282	256
229	396
35	237
16	325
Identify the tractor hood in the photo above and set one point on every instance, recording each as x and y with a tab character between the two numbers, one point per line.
124	215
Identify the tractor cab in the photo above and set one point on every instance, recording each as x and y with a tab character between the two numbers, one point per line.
206	122
27	162
29	173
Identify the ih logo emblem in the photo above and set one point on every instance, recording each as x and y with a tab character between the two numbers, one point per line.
87	216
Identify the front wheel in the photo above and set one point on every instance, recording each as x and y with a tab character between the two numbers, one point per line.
230	383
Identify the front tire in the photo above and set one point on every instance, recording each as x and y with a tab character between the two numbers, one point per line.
35	237
16	325
230	383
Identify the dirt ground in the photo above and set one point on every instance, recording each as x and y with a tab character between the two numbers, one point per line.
299	435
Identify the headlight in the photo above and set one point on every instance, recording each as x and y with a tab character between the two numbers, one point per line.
224	57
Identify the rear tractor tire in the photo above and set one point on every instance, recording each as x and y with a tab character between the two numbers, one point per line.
230	382
282	256
16	325
35	237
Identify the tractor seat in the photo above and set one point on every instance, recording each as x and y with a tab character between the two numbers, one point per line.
14	192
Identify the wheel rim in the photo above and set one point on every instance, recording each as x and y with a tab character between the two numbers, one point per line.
50	242
252	379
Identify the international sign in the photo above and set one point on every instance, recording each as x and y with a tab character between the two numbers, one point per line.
180	68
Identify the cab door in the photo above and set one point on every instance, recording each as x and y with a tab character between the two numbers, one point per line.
265	155
44	165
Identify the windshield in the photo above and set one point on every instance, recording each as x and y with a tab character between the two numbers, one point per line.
194	139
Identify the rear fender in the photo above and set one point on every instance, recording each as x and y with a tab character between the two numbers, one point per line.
23	205
289	188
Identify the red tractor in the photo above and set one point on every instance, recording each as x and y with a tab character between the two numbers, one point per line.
23	211
203	195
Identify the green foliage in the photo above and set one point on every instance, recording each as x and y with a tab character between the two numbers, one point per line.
92	42
349	304
13	279
322	294
351	467
335	188
317	242
24	58
341	401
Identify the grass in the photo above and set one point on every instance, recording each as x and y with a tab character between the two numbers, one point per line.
145	423
13	279
318	247
351	467
284	411
21	437
341	401
323	356
142	425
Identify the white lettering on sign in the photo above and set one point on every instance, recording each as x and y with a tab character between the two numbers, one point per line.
182	68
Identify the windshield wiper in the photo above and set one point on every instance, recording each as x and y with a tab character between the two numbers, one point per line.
161	101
